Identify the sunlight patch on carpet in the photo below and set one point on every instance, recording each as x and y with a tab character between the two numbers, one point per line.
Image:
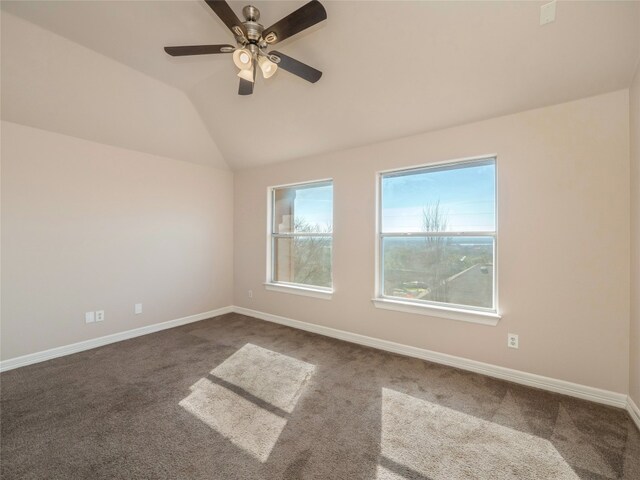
275	378
386	474
248	397
244	424
439	443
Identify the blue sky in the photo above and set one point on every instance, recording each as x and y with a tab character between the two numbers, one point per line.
315	205
466	197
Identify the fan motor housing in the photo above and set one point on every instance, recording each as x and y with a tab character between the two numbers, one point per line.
254	31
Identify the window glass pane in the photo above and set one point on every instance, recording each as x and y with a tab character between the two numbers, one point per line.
303	208
456	270
451	198
303	260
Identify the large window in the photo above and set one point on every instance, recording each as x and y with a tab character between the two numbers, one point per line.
437	236
301	235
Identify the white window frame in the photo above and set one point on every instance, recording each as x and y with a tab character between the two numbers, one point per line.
270	284
484	316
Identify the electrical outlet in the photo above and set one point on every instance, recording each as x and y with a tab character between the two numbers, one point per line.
250	293
512	340
137	309
548	13
100	316
89	317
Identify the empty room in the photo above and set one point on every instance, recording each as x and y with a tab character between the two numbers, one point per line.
328	240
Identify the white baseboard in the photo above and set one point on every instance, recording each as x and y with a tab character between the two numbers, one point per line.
546	383
107	339
597	395
634	411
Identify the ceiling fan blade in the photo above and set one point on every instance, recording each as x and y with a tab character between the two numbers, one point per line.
246	87
198	50
303	18
300	69
230	19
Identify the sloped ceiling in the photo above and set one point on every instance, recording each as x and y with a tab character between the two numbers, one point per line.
52	83
391	69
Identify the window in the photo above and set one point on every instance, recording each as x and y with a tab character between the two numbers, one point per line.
301	236
437	236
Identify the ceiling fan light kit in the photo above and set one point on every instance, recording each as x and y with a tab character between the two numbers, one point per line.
267	66
253	41
242	58
246	74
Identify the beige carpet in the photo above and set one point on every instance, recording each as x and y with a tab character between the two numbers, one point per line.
239	398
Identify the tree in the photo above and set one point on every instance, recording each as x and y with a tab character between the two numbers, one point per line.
311	255
435	221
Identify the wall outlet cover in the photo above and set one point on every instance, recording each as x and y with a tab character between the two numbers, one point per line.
100	316
512	340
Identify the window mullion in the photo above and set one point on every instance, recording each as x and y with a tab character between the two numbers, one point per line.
438	234
301	234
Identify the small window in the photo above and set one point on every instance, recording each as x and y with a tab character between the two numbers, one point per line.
301	235
437	235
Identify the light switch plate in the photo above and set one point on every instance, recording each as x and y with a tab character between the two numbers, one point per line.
548	13
138	308
89	317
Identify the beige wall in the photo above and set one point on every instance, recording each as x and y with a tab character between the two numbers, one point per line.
563	241
634	116
87	226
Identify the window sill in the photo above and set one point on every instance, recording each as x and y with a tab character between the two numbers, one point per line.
296	290
483	318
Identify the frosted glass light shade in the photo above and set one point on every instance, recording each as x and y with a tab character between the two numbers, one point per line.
246	74
242	59
267	66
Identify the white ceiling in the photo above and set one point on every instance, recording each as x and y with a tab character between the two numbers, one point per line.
391	69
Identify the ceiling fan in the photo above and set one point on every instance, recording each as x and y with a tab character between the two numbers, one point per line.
253	40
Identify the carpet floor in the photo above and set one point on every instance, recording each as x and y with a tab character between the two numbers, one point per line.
238	398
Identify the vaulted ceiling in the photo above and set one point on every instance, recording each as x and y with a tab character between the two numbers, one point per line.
391	69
